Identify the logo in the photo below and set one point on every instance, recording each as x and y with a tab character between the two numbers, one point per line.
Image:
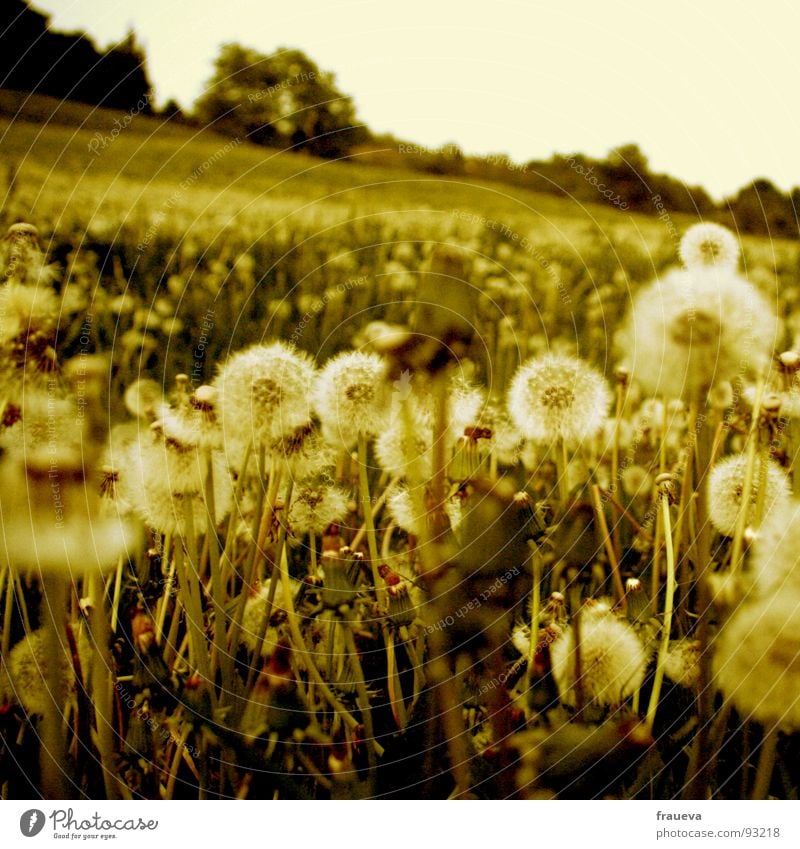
31	822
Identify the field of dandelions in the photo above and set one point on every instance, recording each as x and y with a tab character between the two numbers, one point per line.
346	504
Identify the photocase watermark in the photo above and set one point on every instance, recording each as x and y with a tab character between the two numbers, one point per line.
591	178
172	200
100	141
270	90
32	822
339	289
66	826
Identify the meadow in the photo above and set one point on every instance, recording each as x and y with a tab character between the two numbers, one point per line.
335	480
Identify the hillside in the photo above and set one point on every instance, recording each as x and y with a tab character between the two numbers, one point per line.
76	164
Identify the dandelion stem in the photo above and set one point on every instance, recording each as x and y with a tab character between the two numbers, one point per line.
696	776
117	594
164	601
667	626
224	658
372	542
8	579
53	752
101	683
561	472
300	646
312	549
747	485
766	763
619	589
536	606
190	584
363	696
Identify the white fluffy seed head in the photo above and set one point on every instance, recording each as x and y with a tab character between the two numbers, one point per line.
303	454
682	663
691	330
28	665
399	449
144	398
315	506
775	557
558	397
351	396
159	480
726	486
708	244
757	660
409	512
50	496
264	394
613	659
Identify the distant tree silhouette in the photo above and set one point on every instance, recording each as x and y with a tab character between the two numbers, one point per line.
761	207
69	66
282	99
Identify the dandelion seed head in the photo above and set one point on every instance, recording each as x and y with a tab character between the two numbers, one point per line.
159	477
757	660
709	244
264	394
775	557
398	449
28	664
351	395
411	513
144	399
682	663
400	506
726	485
613	659
316	506
692	330
303	454
558	397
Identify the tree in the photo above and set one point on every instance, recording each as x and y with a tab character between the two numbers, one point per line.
761	207
68	65
282	99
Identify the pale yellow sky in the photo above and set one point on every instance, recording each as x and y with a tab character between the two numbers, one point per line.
707	89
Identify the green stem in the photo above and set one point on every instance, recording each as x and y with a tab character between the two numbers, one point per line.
192	601
224	658
536	606
363	696
101	684
747	486
372	542
8	579
300	647
561	472
668	606
53	751
766	763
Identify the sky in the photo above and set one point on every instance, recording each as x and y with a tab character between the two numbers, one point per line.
706	88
